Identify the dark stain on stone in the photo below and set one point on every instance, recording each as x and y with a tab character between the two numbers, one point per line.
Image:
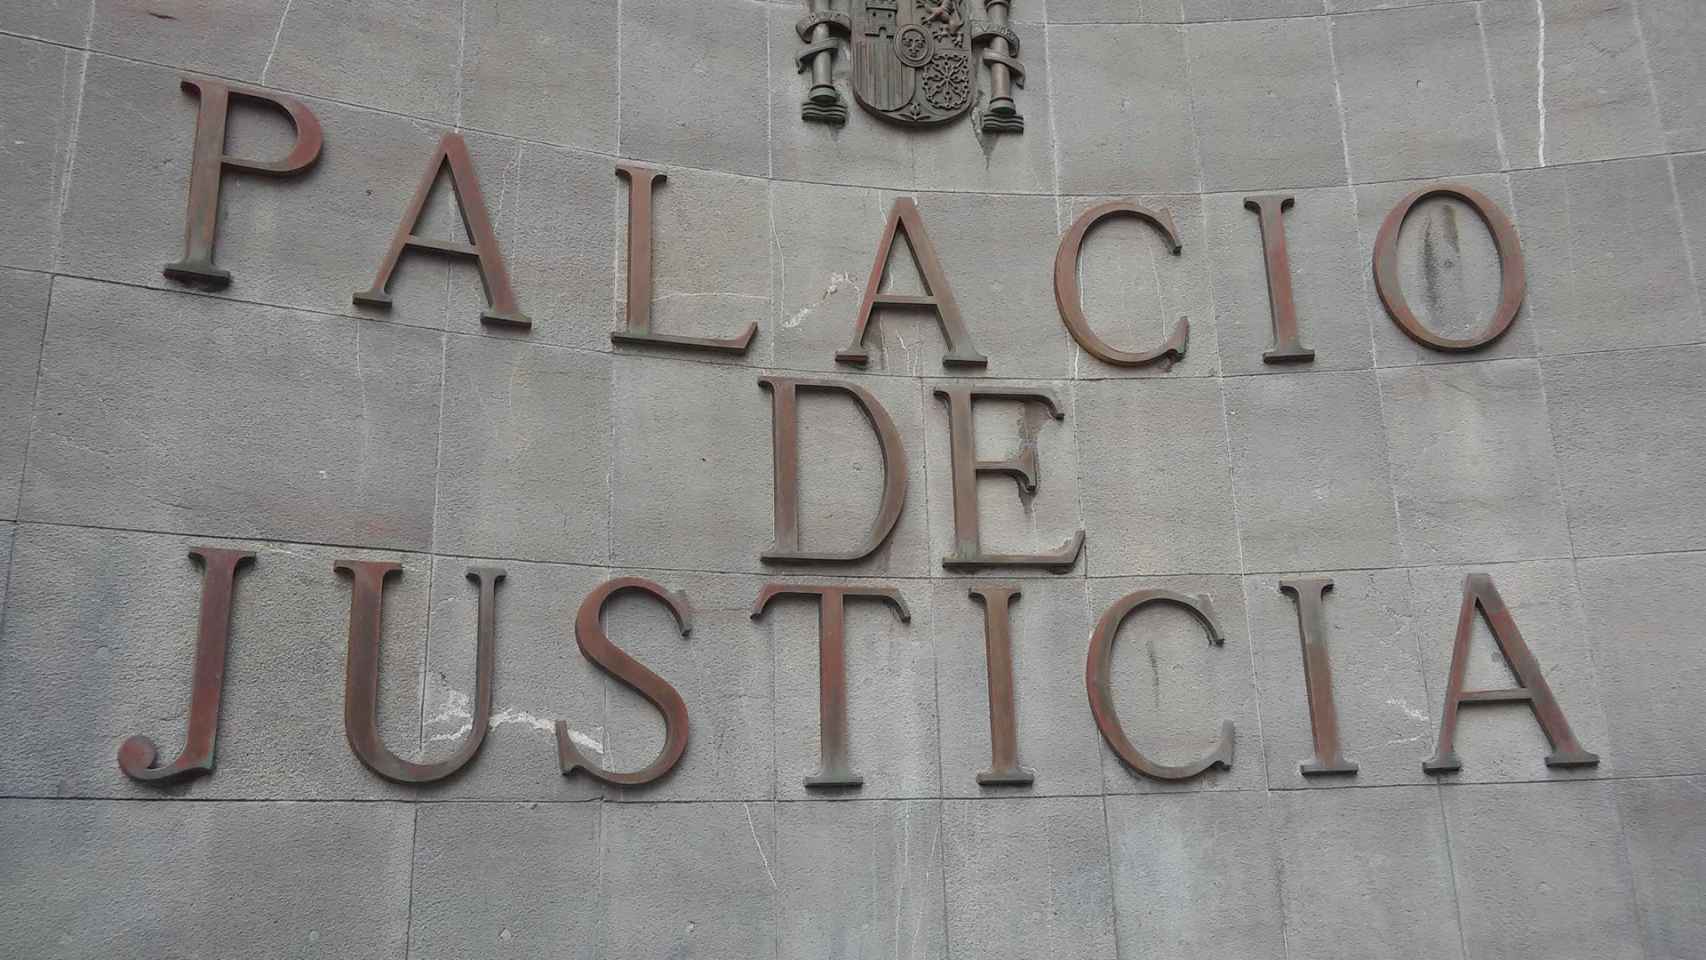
161	16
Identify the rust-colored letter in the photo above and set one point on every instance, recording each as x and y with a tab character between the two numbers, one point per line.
1069	296
638	330
938	298
596	646
1513	276
1100	664
1004	769
1270	210
1022	467
137	755
785	444
482	245
1531	688
834	769
209	161
1318	678
361	678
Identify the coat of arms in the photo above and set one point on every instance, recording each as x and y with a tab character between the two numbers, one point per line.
913	61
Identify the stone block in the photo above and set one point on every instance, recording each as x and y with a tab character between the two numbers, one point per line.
961	156
542	70
1361	867
1674	30
1115	11
1174	688
1664	826
399	57
165	411
1472	462
1641	613
1309	472
24	297
1626	466
506	880
1416	96
524	458
1155	477
860	880
1264	104
233	39
1179	894
43	84
60	21
1606	257
694	84
1542	871
1204	10
1027	875
1110	139
687	880
236	880
1385	724
1057	739
100	646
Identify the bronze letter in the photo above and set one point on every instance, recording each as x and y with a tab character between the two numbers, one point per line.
1022	467
209	161
1004	769
361	679
639	324
482	245
833	767
1531	688
1318	678
596	646
1270	211
1513	278
785	444
1069	296
137	755
904	219
1100	663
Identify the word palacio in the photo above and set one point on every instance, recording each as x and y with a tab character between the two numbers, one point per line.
138	756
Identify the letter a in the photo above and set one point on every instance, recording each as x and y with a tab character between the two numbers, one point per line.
904	219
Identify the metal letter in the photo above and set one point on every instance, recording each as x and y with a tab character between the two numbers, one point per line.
482	245
1318	678
1531	688
1069	295
834	769
938	298
209	161
639	322
1022	467
785	444
1100	664
1513	277
138	754
596	646
1270	210
361	678
1004	769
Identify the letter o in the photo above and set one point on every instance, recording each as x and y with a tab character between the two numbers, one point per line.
1513	276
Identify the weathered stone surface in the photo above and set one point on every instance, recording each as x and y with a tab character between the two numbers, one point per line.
1472	462
689	880
61	21
233	39
1559	849
173	412
205	879
7	530
100	645
1312	486
399	57
39	118
1385	724
506	880
1626	466
1673	30
1688	177
860	880
1415	92
1664	826
524	458
1027	875
1111	138
542	69
1200	10
1115	11
1361	867
23	300
1176	893
694	84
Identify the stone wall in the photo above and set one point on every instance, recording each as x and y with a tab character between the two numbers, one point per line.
139	418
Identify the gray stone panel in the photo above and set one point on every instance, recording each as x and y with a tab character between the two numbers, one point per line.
694	84
1312	486
542	69
173	412
398	57
24	299
1542	871
506	880
231	39
1362	867
1202	10
43	83
1027	875
1115	11
1111	138
1472	462
61	21
860	880
1674	30
205	880
1664	826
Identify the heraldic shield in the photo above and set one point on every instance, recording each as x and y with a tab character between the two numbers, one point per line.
912	59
